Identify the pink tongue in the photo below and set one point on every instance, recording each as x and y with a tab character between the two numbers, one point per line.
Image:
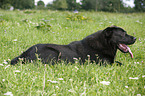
130	52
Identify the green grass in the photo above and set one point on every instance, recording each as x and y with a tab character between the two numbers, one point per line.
18	32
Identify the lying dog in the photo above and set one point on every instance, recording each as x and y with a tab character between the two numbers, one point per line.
103	43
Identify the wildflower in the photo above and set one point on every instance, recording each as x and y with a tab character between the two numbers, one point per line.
133	78
15	40
3	80
138	94
76	11
60	78
126	86
143	76
7	66
83	94
5	31
105	82
8	93
71	80
136	62
5	62
1	65
101	23
56	86
17	71
88	56
76	67
139	22
75	58
18	24
71	90
52	81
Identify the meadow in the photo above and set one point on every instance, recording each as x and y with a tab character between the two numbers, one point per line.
21	29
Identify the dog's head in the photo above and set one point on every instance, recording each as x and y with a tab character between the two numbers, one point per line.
119	37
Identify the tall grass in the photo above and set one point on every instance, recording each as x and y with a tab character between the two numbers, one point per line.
18	31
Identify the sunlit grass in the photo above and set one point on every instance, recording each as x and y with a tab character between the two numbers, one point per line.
18	32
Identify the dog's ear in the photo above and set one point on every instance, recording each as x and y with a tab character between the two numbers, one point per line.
108	31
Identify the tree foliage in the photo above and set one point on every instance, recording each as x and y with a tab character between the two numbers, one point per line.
88	4
96	5
102	5
139	5
40	4
60	4
18	4
72	4
5	4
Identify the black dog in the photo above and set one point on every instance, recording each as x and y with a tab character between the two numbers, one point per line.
103	43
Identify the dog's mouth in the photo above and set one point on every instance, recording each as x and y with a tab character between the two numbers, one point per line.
124	48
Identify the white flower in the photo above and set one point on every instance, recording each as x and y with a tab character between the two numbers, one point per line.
76	67
5	62
137	20
60	78
138	94
143	76
3	80
1	65
17	71
52	81
8	93
133	78
71	80
75	58
101	23
71	90
126	86
105	82
7	66
15	40
56	86
83	94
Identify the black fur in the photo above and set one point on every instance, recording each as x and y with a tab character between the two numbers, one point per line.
102	43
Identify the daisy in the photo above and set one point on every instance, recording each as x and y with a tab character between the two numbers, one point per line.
105	82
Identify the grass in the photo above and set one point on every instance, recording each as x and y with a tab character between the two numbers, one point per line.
18	31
